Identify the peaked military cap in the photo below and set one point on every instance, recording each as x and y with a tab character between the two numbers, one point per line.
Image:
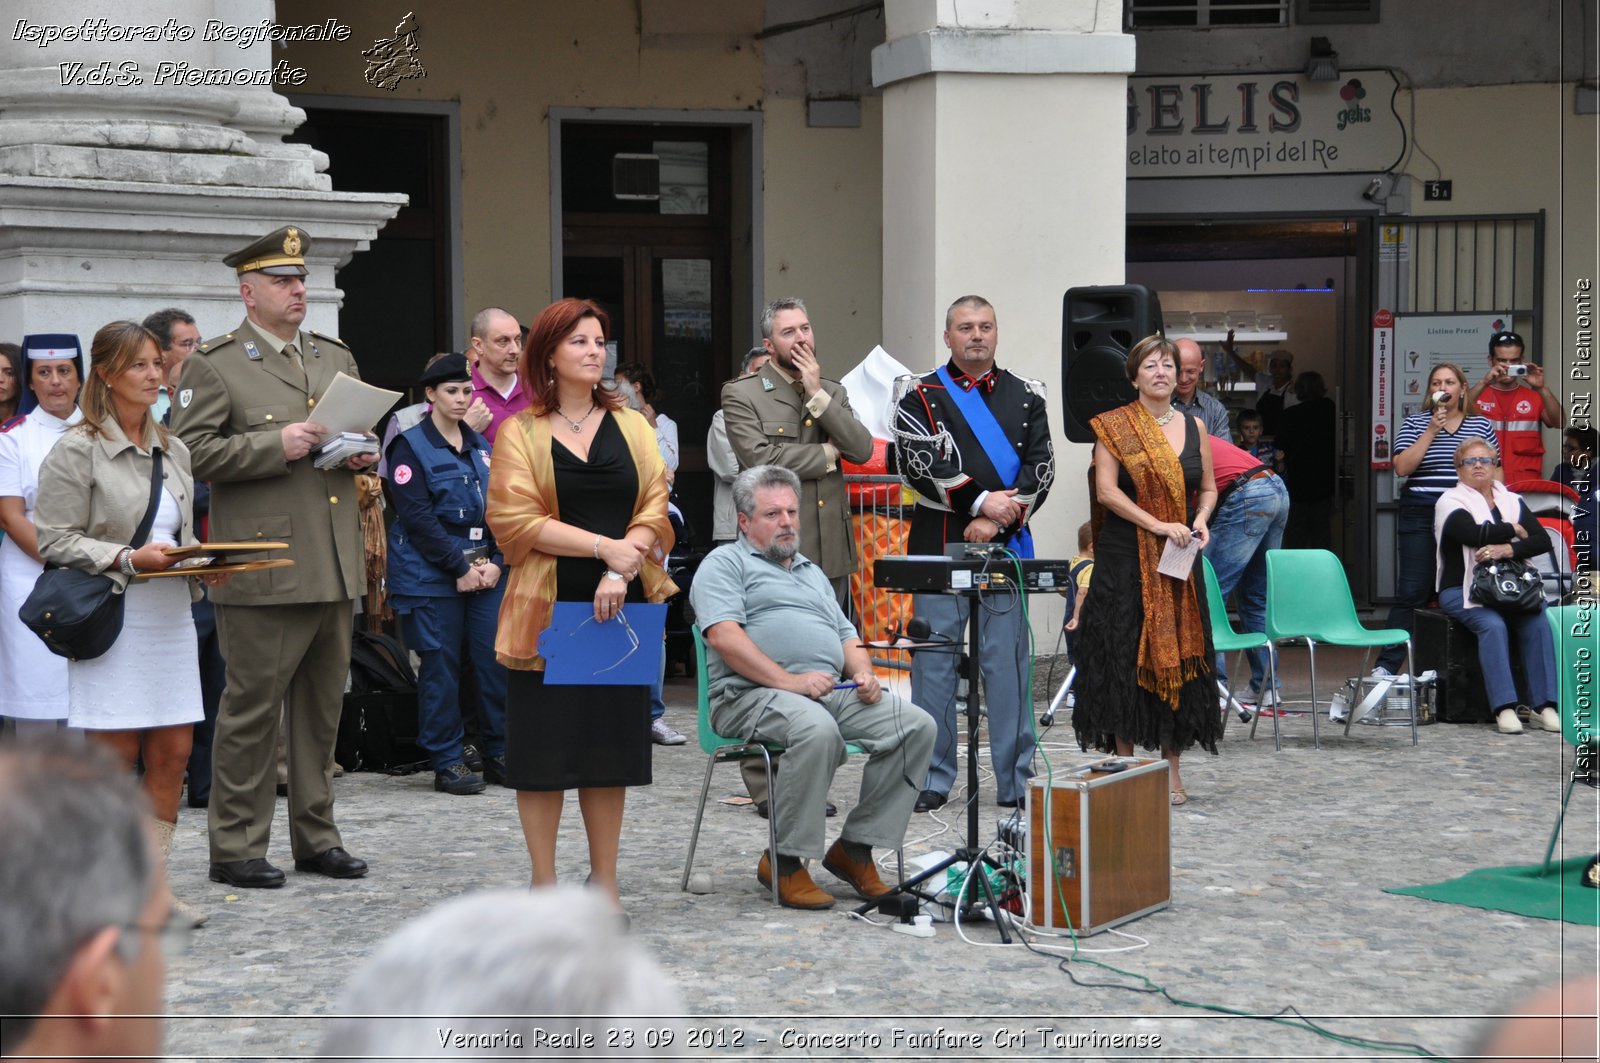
281	253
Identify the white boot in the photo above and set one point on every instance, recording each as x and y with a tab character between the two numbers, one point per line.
164	831
1546	718
1507	723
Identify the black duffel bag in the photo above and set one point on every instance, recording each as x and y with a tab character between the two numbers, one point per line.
77	614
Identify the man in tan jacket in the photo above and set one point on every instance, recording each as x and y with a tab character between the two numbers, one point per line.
788	415
244	407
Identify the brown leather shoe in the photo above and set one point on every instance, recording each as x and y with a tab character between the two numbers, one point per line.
863	877
796	890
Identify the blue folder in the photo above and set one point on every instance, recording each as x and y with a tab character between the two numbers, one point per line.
622	651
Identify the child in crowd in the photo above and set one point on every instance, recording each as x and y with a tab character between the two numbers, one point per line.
1250	425
1081	568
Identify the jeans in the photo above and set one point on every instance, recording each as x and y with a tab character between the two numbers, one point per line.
1414	581
434	628
658	708
1494	629
1248	524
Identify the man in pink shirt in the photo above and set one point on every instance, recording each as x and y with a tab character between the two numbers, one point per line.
496	347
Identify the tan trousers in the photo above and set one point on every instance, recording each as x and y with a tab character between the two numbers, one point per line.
302	651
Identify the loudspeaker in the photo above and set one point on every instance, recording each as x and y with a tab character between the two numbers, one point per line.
1109	842
1098	327
1448	646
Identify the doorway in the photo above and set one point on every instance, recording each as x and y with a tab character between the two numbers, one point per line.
655	226
1296	284
401	295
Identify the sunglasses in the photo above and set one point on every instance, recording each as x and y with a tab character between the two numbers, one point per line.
1478	460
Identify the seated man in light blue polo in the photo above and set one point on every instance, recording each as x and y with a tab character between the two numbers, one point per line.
784	665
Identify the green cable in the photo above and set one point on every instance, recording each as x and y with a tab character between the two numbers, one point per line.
1077	955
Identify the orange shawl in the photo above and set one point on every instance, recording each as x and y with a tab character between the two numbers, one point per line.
1172	639
522	497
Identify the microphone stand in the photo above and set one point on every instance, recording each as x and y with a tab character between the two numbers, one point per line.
972	854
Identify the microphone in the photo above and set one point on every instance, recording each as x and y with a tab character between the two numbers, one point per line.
919	630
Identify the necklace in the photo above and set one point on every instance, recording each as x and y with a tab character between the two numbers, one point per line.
1172	411
576	426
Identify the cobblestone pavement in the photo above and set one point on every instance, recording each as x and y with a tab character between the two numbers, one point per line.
1278	864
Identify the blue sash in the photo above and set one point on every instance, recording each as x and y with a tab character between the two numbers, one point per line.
995	444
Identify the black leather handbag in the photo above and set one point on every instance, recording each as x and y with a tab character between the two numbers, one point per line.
1510	585
78	614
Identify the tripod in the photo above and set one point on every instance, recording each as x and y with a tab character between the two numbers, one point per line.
974	855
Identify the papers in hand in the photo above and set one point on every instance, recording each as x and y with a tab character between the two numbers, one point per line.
351	405
1176	561
336	450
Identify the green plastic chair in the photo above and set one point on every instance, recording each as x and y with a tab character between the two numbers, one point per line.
1226	640
1577	660
719	748
1308	597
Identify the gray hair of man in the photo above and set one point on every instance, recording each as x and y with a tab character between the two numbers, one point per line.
776	307
481	320
758	478
751	355
161	323
76	857
971	302
558	958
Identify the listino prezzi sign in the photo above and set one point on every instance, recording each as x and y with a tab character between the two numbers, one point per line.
1257	125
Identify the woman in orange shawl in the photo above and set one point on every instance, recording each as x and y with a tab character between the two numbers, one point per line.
578	503
1144	658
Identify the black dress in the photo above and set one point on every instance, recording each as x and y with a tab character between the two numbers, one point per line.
1110	702
566	737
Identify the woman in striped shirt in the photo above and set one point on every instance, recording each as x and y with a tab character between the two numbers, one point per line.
1424	453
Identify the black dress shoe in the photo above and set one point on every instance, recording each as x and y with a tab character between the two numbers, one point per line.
829	809
335	863
929	801
199	800
252	874
1021	802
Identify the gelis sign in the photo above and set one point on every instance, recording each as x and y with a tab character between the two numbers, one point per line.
1241	125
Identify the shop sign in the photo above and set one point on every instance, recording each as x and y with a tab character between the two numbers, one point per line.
1257	125
1422	341
1382	397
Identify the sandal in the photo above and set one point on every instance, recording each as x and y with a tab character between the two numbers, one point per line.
1180	796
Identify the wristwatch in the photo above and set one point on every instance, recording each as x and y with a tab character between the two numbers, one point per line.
613	574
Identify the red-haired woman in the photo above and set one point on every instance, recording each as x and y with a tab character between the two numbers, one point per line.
578	504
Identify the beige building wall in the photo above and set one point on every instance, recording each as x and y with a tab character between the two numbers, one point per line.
823	224
506	62
1519	148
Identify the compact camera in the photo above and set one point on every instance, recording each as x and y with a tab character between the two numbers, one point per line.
1516	370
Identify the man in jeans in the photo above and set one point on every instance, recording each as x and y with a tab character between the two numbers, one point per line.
1252	510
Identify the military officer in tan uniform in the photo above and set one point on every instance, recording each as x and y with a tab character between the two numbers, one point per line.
787	414
246	409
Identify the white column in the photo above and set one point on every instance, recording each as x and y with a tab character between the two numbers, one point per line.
122	184
1003	176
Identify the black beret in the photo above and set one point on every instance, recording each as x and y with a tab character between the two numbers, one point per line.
450	367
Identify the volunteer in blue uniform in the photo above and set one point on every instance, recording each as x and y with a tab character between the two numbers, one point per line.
444	575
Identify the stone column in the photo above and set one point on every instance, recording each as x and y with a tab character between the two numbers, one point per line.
123	182
1004	176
